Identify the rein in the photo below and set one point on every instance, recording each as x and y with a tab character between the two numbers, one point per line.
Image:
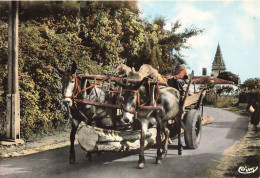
77	90
133	111
138	105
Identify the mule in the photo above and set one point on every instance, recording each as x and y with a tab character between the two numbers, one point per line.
73	87
168	99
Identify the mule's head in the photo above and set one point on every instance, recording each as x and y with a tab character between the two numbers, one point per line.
128	103
68	83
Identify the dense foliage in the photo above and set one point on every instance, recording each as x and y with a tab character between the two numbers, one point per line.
97	35
252	84
229	76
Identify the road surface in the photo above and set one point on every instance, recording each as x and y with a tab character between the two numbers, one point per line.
226	129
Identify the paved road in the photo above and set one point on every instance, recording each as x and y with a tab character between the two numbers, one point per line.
216	138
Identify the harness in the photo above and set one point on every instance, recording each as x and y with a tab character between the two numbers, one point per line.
138	105
77	91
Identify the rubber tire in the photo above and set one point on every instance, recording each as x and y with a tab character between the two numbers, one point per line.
193	129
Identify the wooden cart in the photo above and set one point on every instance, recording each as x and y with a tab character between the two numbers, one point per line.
93	139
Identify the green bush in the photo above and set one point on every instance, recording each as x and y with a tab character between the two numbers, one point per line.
97	35
225	101
252	84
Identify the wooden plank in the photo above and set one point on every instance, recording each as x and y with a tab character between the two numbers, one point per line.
194	98
100	77
115	106
191	100
151	108
96	103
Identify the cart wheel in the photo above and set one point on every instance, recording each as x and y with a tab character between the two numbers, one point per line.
193	129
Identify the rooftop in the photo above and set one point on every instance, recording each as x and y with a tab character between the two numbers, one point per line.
207	79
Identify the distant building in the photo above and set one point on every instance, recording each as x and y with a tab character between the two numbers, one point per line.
218	64
202	81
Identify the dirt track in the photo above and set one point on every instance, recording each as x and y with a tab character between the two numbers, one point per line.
244	153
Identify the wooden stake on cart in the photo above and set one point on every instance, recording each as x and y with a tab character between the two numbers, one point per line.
179	116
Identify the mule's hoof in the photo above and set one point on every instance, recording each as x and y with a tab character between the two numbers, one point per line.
170	141
89	158
180	152
158	161
72	161
163	155
141	165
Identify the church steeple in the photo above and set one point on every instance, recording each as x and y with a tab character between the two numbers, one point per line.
218	64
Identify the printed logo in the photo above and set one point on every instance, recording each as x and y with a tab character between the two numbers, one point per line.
247	170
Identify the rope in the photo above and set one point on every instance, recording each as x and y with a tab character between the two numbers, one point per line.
77	91
158	95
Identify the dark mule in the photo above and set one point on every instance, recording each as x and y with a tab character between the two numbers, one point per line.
168	98
73	87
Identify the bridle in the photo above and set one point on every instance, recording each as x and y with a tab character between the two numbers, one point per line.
138	105
133	111
76	90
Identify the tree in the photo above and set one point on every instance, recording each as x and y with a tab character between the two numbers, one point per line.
229	76
98	35
251	84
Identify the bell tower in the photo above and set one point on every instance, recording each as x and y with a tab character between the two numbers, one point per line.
218	64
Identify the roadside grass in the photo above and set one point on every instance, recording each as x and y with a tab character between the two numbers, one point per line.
243	154
220	101
225	101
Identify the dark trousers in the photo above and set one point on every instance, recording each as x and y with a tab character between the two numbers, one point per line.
255	117
177	83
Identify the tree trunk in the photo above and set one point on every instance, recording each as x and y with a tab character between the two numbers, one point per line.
96	139
91	138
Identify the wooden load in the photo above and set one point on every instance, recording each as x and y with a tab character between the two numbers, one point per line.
96	139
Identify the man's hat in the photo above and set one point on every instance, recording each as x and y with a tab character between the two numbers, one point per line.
178	65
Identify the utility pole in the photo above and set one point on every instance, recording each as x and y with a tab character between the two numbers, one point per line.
13	96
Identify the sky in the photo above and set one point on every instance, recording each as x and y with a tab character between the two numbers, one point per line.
234	25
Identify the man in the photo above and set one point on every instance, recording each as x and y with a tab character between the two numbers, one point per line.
254	101
180	74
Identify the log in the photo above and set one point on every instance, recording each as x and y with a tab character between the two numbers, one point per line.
96	139
207	120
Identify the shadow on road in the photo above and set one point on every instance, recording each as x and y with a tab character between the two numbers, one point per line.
236	128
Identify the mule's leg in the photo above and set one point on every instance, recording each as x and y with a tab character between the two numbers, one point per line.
158	143
89	156
180	148
72	157
114	118
166	133
141	161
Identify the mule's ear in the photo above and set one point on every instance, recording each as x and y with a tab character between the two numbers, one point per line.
124	86
73	67
61	72
139	84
